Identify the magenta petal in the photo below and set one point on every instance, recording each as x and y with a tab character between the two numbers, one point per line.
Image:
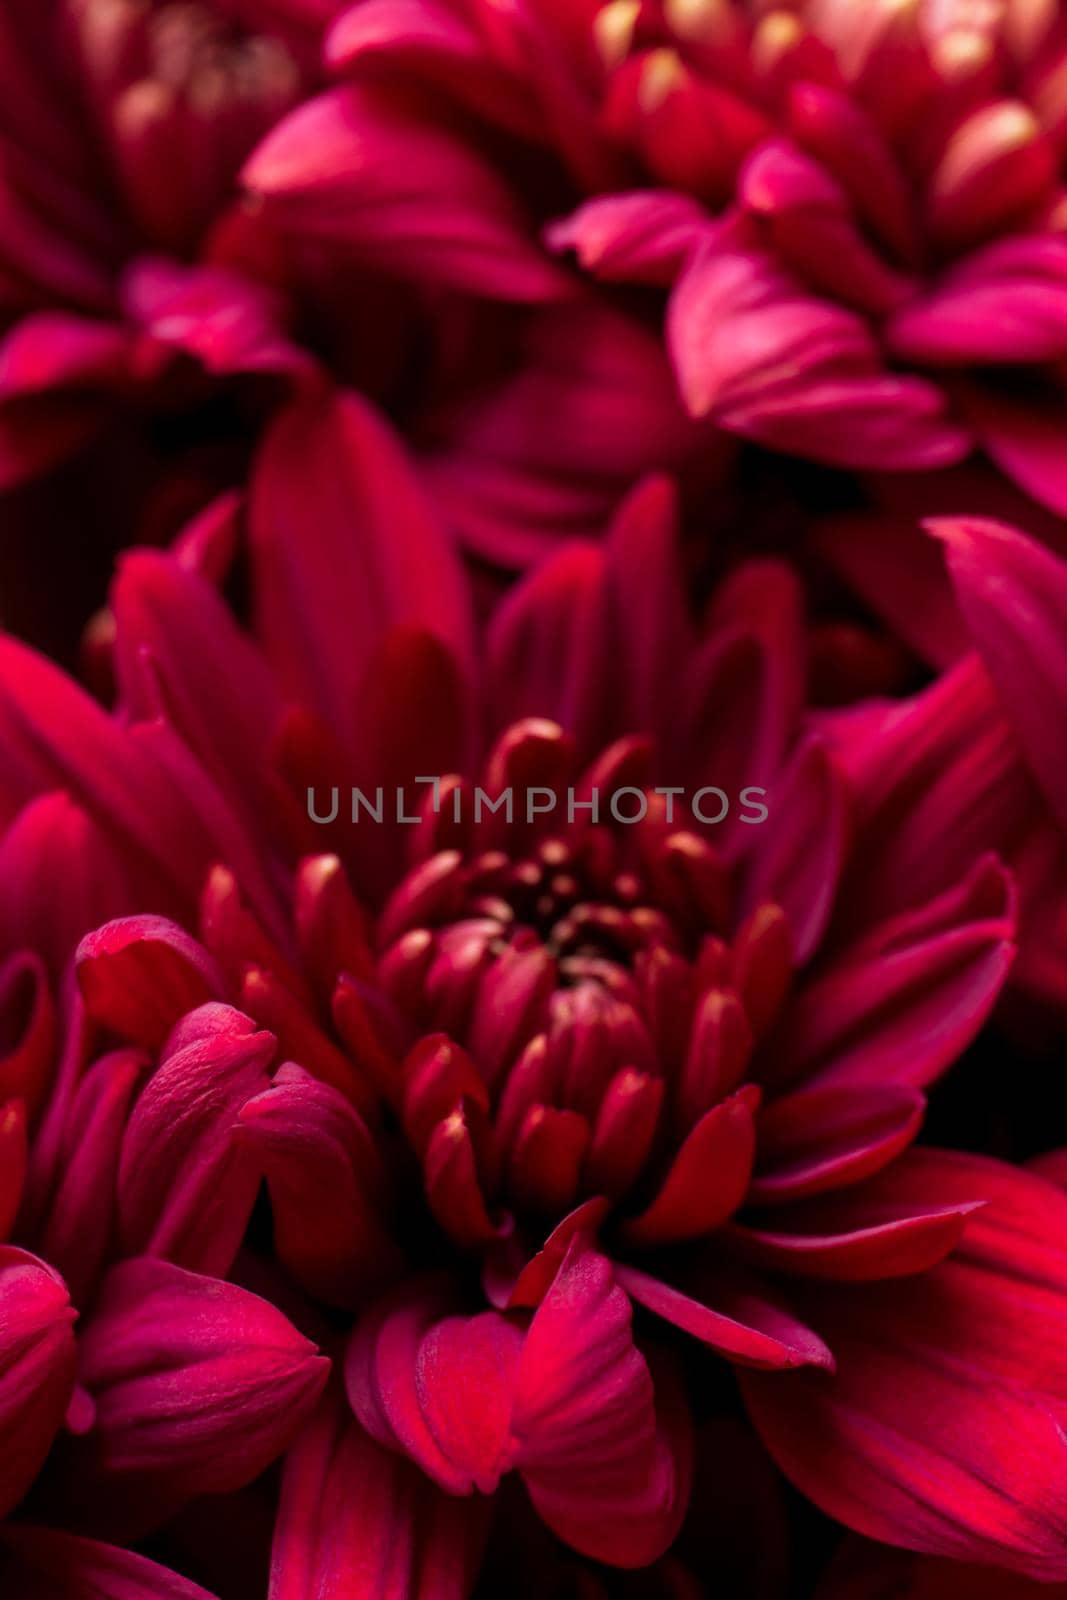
14	1152
606	1468
943	1429
750	1328
185	1185
37	1366
60	874
707	1179
824	1137
1025	440
802	847
380	1378
640	237
888	1247
76	1232
371	553
140	975
1005	304
901	1003
178	648
358	1521
465	1372
198	1385
1013	594
364	169
39	1561
326	1185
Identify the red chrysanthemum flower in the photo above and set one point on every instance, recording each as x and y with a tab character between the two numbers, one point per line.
856	209
547	1092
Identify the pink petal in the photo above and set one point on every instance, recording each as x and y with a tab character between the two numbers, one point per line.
77	1230
943	1429
14	1152
138	976
37	1367
36	1561
903	1003
358	1521
543	639
371	554
1004	304
178	648
752	1328
809	805
362	168
887	1247
607	1471
400	1366
60	875
707	1179
825	1137
185	1185
937	783
145	792
641	237
774	363
1013	594
198	1385
326	1187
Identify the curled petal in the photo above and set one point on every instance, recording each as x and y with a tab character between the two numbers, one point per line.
185	1185
140	975
198	1385
326	1187
37	1366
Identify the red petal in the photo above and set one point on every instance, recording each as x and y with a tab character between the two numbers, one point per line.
607	1474
789	869
707	1179
901	1004
361	168
1013	594
37	1367
453	1185
371	555
752	1328
39	1561
943	1429
326	1184
14	1150
185	1186
77	1230
823	1138
198	1384
358	1521
140	975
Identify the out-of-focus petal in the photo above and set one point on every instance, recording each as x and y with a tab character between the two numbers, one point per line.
943	1429
39	1561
